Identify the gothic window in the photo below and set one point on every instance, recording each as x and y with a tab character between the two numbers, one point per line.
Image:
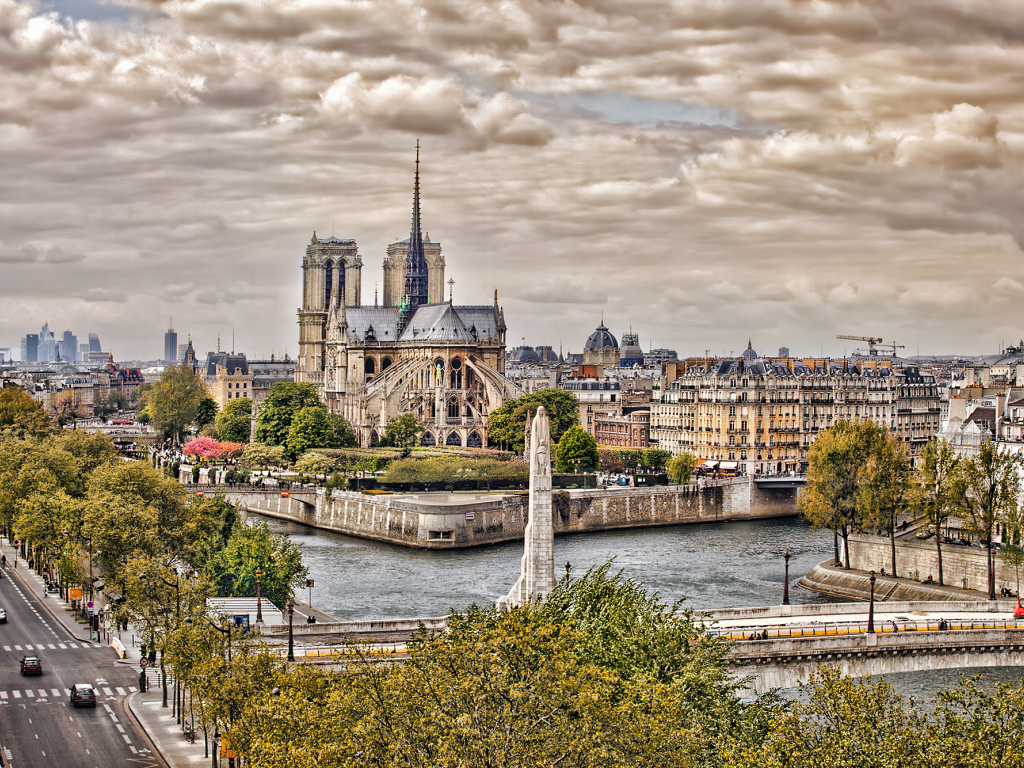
370	366
385	364
374	438
454	440
453	409
474	441
329	281
428	439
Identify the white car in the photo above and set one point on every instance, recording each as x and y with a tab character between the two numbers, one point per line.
3	616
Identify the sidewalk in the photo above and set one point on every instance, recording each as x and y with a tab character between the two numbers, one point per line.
158	723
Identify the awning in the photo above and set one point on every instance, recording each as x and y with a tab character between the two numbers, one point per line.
727	465
708	464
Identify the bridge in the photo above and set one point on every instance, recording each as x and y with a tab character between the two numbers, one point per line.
780	646
779	481
280	502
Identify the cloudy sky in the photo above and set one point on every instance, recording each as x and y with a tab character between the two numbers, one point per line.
705	172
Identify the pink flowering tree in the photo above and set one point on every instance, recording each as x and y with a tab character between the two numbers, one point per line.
227	450
201	448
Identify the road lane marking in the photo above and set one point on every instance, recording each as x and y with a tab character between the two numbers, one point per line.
107	692
3	694
56	692
7	648
52	646
42	693
123	736
120	692
62	646
17	694
30	693
17	648
120	727
114	718
132	688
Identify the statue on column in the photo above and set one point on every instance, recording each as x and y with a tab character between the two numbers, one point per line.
537	577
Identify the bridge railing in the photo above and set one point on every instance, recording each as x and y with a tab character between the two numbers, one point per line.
860	628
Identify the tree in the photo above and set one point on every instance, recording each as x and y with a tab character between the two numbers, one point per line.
22	415
681	466
174	401
1012	551
403	431
107	402
941	479
234	422
655	459
506	426
990	492
254	547
829	496
885	487
207	412
143	416
258	456
310	429
343	431
611	460
279	409
576	450
65	406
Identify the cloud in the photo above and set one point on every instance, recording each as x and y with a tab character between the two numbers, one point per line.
703	172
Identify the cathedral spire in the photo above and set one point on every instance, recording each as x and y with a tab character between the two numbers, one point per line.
415	261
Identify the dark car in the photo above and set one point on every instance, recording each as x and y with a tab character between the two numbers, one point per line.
83	695
3	616
30	665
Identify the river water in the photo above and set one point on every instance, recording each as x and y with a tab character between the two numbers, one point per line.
711	565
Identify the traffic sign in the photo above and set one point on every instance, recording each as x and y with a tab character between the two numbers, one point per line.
144	662
89	604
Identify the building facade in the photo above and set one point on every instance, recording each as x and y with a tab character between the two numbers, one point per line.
417	353
629	431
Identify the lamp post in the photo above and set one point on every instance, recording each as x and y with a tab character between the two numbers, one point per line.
785	583
871	605
177	620
259	599
291	642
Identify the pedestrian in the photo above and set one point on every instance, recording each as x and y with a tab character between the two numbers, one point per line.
895	627
3	561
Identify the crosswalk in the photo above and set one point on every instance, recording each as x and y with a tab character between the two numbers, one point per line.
38	694
51	646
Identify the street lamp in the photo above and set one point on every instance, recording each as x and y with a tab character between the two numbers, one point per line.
785	583
871	605
259	599
291	642
177	620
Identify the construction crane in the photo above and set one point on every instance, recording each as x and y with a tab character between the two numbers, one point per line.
872	342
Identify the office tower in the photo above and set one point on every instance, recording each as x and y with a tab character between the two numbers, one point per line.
94	343
30	348
69	347
170	347
47	345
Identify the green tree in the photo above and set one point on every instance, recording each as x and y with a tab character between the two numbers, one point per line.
403	431
941	481
346	436
655	459
174	401
310	429
143	416
206	413
234	422
279	409
576	450
254	547
990	492
65	406
611	460
681	466
1012	551
21	415
885	488
107	402
829	497
259	456
506	426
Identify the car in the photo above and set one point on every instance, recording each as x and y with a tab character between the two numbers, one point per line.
83	695
30	665
3	616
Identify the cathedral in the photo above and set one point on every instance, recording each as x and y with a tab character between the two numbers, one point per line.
413	353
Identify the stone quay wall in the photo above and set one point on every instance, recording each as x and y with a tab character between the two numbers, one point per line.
453	521
962	567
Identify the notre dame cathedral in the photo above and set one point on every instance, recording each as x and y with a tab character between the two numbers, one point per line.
414	353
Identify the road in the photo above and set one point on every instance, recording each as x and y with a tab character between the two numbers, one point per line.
38	727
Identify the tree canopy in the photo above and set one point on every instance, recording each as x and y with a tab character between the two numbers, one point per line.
280	407
310	429
576	450
234	422
403	431
681	466
232	570
506	426
22	415
174	401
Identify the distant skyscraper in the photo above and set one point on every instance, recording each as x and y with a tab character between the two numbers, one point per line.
47	345
783	351
170	346
94	343
30	348
69	347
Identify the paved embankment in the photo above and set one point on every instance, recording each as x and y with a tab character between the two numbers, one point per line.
856	585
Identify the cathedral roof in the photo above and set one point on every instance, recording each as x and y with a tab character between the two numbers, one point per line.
600	339
437	322
383	319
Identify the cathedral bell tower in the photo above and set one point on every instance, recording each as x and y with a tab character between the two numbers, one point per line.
416	277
